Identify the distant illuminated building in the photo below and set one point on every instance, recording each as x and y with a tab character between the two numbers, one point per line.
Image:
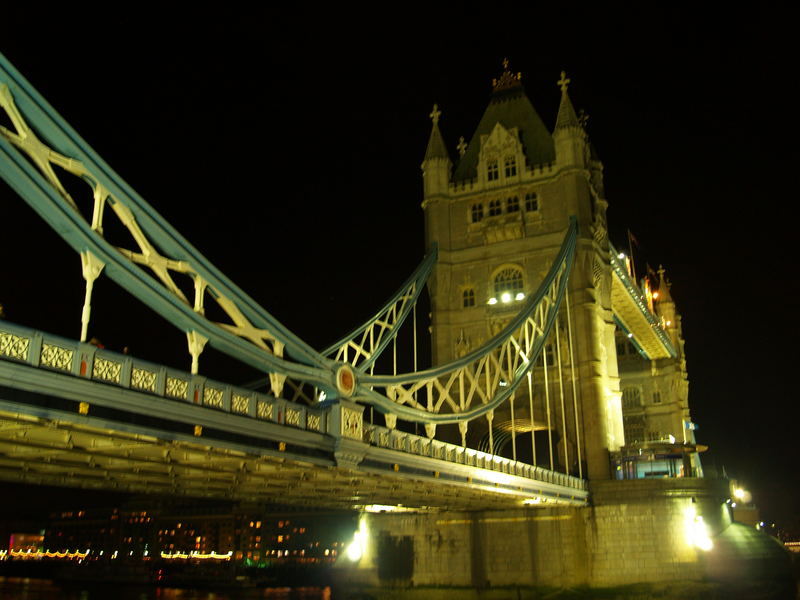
242	533
25	542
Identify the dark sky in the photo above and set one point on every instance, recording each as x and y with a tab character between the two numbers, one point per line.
287	149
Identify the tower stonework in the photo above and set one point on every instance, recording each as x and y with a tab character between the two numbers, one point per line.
655	396
499	213
499	218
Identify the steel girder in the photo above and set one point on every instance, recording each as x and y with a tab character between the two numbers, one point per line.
254	336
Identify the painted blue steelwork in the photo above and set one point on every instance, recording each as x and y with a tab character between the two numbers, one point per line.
408	293
558	276
307	365
41	364
638	297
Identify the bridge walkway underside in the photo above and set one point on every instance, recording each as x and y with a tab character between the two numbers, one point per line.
58	429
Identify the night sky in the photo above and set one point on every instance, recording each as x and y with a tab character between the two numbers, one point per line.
288	151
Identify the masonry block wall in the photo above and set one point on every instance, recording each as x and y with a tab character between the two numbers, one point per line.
636	531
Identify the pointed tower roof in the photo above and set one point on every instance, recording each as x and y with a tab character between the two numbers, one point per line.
436	147
510	107
566	112
663	286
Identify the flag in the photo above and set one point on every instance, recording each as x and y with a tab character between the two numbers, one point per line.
632	238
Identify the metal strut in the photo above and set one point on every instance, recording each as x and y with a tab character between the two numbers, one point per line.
453	393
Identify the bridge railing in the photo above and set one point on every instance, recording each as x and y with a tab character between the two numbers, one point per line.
393	439
67	356
86	361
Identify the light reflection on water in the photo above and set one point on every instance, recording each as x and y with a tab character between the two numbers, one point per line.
22	588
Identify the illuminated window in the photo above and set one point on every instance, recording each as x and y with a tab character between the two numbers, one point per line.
512	204
511	166
631	398
492	170
495	208
509	281
468	298
531	202
477	212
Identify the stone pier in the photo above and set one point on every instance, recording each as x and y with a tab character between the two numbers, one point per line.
636	532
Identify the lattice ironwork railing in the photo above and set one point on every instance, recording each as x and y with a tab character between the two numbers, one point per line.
41	143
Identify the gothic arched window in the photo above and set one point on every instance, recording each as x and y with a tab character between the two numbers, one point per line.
531	202
512	204
468	298
495	208
508	284
477	212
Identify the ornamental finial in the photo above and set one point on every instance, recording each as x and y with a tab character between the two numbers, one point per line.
435	113
563	82
507	80
462	146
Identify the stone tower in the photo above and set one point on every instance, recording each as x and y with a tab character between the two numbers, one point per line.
655	397
499	217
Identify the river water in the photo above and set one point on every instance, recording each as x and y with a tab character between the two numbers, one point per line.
18	588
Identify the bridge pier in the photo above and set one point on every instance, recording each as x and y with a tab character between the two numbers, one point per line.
637	533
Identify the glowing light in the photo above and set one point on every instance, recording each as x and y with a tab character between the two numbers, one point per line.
358	546
655	295
196	555
322	396
519	296
503	383
630	335
739	493
506	297
671	439
621	255
669	323
492	300
378	508
697	531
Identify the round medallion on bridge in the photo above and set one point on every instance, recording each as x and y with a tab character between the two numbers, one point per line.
345	381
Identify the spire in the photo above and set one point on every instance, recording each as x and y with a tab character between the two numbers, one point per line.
566	112
510	107
436	147
663	286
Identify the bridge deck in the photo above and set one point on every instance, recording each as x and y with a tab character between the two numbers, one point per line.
72	414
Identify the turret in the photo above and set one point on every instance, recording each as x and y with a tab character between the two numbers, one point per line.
436	181
436	164
569	135
665	308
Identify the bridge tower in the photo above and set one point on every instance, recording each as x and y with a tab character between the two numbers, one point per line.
655	396
499	217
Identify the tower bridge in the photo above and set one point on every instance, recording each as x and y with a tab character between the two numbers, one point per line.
533	412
